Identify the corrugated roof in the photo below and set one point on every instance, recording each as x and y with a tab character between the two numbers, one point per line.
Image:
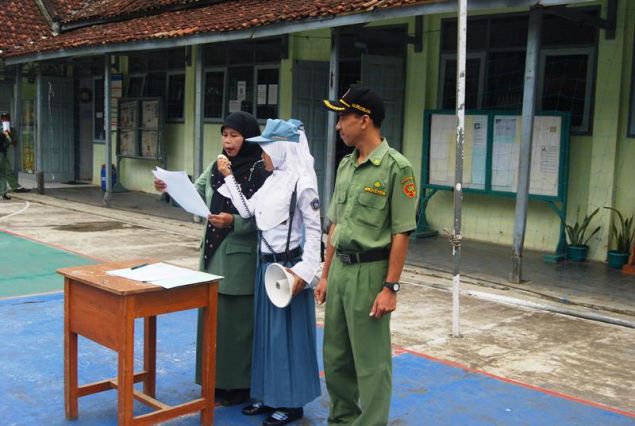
30	34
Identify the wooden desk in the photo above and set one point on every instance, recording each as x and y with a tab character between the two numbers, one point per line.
103	308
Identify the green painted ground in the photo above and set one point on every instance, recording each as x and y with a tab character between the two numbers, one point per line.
27	267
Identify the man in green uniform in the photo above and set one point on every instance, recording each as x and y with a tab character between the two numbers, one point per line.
372	213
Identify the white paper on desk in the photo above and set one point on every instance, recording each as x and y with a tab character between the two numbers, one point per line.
165	275
183	191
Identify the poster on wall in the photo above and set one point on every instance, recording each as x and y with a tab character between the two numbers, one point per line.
262	94
505	152
149	143
128	115
241	93
150	112
443	150
128	143
273	94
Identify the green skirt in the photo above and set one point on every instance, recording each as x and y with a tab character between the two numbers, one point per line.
234	341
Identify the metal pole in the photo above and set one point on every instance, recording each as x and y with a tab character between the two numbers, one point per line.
199	75
16	119
524	164
334	68
458	177
107	132
39	113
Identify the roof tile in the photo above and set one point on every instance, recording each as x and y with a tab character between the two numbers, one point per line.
28	33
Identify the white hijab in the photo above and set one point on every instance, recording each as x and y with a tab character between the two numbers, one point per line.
293	163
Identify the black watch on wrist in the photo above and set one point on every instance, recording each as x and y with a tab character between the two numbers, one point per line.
394	286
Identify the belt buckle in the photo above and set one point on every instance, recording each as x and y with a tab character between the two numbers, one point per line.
345	258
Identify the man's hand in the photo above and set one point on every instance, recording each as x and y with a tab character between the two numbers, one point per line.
385	302
221	220
224	165
320	291
159	185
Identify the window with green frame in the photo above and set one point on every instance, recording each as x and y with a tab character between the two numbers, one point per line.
242	76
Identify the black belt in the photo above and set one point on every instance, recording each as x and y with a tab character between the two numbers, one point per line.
281	257
363	256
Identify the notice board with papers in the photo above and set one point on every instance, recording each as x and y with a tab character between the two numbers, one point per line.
491	153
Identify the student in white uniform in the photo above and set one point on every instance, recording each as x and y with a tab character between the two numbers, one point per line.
284	374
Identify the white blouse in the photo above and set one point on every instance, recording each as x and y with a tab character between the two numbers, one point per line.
306	217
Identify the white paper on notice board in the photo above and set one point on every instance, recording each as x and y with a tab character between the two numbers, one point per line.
262	94
234	105
241	93
273	94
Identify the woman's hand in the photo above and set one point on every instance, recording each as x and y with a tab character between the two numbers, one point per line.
224	165
221	220
159	185
298	283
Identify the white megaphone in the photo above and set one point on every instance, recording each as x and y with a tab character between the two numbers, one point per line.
279	284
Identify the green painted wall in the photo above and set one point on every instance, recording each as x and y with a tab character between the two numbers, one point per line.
600	171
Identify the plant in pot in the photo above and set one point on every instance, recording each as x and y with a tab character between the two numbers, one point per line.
622	233
576	234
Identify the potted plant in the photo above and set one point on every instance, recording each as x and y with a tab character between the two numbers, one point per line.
622	234
576	234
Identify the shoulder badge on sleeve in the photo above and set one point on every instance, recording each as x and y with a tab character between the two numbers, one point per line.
315	204
410	189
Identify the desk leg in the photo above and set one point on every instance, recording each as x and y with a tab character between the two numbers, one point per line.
70	357
208	367
150	355
126	367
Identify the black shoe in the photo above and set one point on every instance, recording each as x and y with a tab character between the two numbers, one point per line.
234	397
282	416
6	197
22	189
256	408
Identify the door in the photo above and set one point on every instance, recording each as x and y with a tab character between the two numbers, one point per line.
6	105
385	75
310	86
56	129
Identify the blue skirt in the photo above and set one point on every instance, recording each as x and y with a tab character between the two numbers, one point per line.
284	369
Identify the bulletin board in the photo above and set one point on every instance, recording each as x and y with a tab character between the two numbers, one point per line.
491	153
139	131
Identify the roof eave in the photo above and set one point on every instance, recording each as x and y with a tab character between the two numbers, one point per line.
284	28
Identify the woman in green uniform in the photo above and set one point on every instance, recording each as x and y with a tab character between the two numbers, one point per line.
229	249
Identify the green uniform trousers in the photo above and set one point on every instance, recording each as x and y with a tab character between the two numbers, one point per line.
234	338
357	349
7	178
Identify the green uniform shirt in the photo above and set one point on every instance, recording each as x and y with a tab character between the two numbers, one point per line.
372	200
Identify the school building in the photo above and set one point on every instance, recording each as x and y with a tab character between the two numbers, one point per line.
141	84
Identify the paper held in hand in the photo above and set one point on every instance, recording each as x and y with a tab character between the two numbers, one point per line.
164	274
183	191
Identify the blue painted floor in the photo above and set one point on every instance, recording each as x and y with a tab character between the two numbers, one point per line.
425	392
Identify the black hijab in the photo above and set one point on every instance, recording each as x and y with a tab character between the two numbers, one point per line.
248	171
